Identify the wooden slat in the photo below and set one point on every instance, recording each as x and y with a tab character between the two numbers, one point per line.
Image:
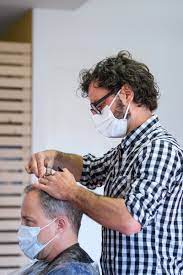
16	59
24	94
15	97
12	261
12	165
10	201
11	189
15	71
15	153
15	118
15	106
10	249
15	82
9	225
13	47
15	130
14	177
9	213
8	237
8	271
14	141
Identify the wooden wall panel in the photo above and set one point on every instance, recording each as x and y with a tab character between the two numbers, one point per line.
17	59
15	145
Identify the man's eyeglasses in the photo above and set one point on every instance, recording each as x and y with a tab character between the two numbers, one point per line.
94	106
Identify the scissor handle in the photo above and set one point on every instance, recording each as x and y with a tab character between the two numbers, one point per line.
60	169
48	171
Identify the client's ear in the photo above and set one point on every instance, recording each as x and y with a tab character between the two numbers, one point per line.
61	222
126	94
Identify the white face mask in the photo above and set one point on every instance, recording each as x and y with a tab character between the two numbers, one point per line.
108	125
28	242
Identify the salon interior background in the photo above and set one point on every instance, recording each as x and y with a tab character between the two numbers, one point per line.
68	36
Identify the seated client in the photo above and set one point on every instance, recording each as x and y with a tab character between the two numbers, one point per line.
49	235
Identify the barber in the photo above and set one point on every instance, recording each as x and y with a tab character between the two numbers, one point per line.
141	210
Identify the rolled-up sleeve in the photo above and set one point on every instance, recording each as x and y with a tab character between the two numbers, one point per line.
154	174
95	170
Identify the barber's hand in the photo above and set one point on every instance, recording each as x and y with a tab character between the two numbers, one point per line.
60	185
39	161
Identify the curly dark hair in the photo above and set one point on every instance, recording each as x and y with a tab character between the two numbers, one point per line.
113	72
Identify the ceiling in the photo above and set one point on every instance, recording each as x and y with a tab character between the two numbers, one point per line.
11	10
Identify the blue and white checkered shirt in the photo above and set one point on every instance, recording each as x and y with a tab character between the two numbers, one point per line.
146	170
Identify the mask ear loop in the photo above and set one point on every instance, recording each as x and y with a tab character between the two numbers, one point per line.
49	241
127	109
44	245
48	224
51	238
114	98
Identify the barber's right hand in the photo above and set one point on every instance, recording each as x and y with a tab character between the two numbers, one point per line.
38	161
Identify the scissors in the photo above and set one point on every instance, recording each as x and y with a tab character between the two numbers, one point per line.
49	171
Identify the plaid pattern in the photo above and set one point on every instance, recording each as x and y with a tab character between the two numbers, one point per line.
146	170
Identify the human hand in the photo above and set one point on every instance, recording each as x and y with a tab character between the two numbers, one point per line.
60	185
39	161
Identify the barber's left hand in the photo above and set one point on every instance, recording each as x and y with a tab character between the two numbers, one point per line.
60	185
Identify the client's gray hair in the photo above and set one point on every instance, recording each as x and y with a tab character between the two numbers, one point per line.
53	208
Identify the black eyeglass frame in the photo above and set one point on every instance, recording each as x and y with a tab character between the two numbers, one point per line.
93	106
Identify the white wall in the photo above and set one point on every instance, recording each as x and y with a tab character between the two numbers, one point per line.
65	42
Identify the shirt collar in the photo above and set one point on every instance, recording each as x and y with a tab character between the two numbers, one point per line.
140	133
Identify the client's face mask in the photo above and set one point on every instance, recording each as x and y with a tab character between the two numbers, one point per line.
108	125
28	240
